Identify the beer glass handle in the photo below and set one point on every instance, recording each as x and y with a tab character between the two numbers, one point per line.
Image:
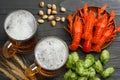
32	70
8	49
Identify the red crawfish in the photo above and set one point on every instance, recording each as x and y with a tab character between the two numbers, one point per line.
88	32
105	35
70	20
76	30
86	47
88	26
101	24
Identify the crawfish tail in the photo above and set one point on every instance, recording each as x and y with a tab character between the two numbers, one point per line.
77	32
75	42
86	47
106	34
96	48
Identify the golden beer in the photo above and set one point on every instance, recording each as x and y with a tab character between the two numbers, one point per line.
51	54
21	27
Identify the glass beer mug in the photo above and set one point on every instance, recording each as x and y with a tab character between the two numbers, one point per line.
20	26
51	54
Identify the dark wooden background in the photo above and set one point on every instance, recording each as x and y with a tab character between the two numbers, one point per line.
7	6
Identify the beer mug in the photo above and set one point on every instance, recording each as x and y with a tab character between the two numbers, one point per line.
51	54
20	26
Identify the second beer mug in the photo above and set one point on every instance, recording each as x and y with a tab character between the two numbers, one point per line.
20	26
51	54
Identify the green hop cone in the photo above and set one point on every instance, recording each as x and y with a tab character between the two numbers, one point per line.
69	62
72	59
98	66
75	56
80	63
82	78
92	72
107	72
70	75
67	75
81	71
105	56
85	73
73	76
89	60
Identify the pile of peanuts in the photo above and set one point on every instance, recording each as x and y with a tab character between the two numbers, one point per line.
50	14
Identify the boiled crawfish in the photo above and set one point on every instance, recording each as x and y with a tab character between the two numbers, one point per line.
108	35
88	26
90	30
75	29
101	23
105	35
103	29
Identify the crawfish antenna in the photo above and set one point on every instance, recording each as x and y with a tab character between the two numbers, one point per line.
85	8
101	10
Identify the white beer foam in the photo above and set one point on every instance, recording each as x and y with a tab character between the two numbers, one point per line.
20	25
51	53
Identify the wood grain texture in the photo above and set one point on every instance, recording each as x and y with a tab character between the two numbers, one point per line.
7	6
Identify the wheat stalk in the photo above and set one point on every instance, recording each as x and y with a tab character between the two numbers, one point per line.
12	66
7	74
20	62
9	70
20	75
